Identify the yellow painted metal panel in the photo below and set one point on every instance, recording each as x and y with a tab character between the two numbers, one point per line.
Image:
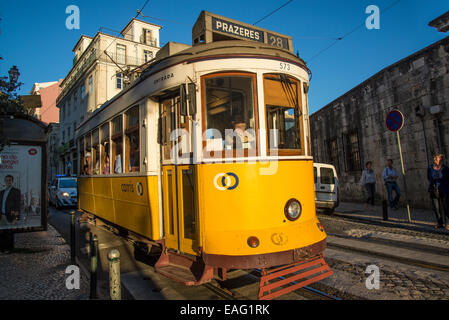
131	202
170	207
104	203
86	195
255	207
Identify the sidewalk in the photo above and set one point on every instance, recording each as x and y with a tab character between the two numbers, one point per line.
421	218
35	269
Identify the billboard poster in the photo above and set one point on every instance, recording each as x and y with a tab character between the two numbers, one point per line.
20	187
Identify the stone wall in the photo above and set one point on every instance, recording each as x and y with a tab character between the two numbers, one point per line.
418	86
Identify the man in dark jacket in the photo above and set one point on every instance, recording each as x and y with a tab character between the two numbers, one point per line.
10	201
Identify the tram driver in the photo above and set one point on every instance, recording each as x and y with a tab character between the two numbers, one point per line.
244	139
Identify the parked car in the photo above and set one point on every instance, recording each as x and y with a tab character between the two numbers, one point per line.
63	192
326	187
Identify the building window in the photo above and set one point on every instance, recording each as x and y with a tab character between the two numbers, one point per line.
147	55
90	84
351	151
121	54
68	106
119	77
63	137
147	37
82	91
68	133
332	152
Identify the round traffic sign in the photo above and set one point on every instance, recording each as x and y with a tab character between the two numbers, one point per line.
395	120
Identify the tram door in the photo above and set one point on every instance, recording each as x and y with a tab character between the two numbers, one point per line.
179	185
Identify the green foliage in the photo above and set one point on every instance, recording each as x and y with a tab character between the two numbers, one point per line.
9	97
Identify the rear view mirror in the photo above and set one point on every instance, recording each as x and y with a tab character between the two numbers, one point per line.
183	97
159	131
192	99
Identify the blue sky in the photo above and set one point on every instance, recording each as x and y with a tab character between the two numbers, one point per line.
34	37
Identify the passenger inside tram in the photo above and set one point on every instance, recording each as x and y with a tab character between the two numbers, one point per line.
88	164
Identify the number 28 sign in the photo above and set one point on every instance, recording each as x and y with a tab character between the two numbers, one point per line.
394	120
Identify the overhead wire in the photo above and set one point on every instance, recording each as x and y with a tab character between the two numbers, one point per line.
272	12
349	33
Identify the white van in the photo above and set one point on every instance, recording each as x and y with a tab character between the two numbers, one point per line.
326	187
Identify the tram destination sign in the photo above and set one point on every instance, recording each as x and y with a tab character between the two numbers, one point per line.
210	27
236	29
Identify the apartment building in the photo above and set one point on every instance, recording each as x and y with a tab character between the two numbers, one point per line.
49	91
101	68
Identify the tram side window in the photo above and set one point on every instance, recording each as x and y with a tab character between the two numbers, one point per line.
117	144
87	168
283	114
230	113
82	159
105	158
168	124
96	151
132	140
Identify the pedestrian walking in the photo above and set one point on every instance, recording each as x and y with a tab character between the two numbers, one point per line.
368	182
390	176
438	176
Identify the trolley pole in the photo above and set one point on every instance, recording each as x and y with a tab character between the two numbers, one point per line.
93	266
115	289
72	237
403	177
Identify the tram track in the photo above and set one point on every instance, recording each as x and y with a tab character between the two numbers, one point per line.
384	255
307	292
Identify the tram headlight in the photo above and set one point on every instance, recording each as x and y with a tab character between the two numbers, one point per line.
253	242
65	194
293	209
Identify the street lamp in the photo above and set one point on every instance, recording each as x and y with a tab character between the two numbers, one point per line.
13	74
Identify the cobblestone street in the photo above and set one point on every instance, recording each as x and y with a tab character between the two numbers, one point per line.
398	279
35	269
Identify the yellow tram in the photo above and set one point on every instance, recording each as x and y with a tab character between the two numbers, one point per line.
207	154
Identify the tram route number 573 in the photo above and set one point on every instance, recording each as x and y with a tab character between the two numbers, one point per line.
284	66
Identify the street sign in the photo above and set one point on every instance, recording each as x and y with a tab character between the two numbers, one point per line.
395	120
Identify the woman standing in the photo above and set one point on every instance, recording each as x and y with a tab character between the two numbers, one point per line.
369	182
438	175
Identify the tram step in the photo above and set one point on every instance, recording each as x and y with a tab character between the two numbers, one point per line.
281	280
184	269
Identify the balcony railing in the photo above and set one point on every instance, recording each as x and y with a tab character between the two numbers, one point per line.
122	59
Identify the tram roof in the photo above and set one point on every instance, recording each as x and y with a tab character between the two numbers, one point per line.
219	49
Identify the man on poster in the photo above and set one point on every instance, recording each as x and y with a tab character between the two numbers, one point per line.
10	201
